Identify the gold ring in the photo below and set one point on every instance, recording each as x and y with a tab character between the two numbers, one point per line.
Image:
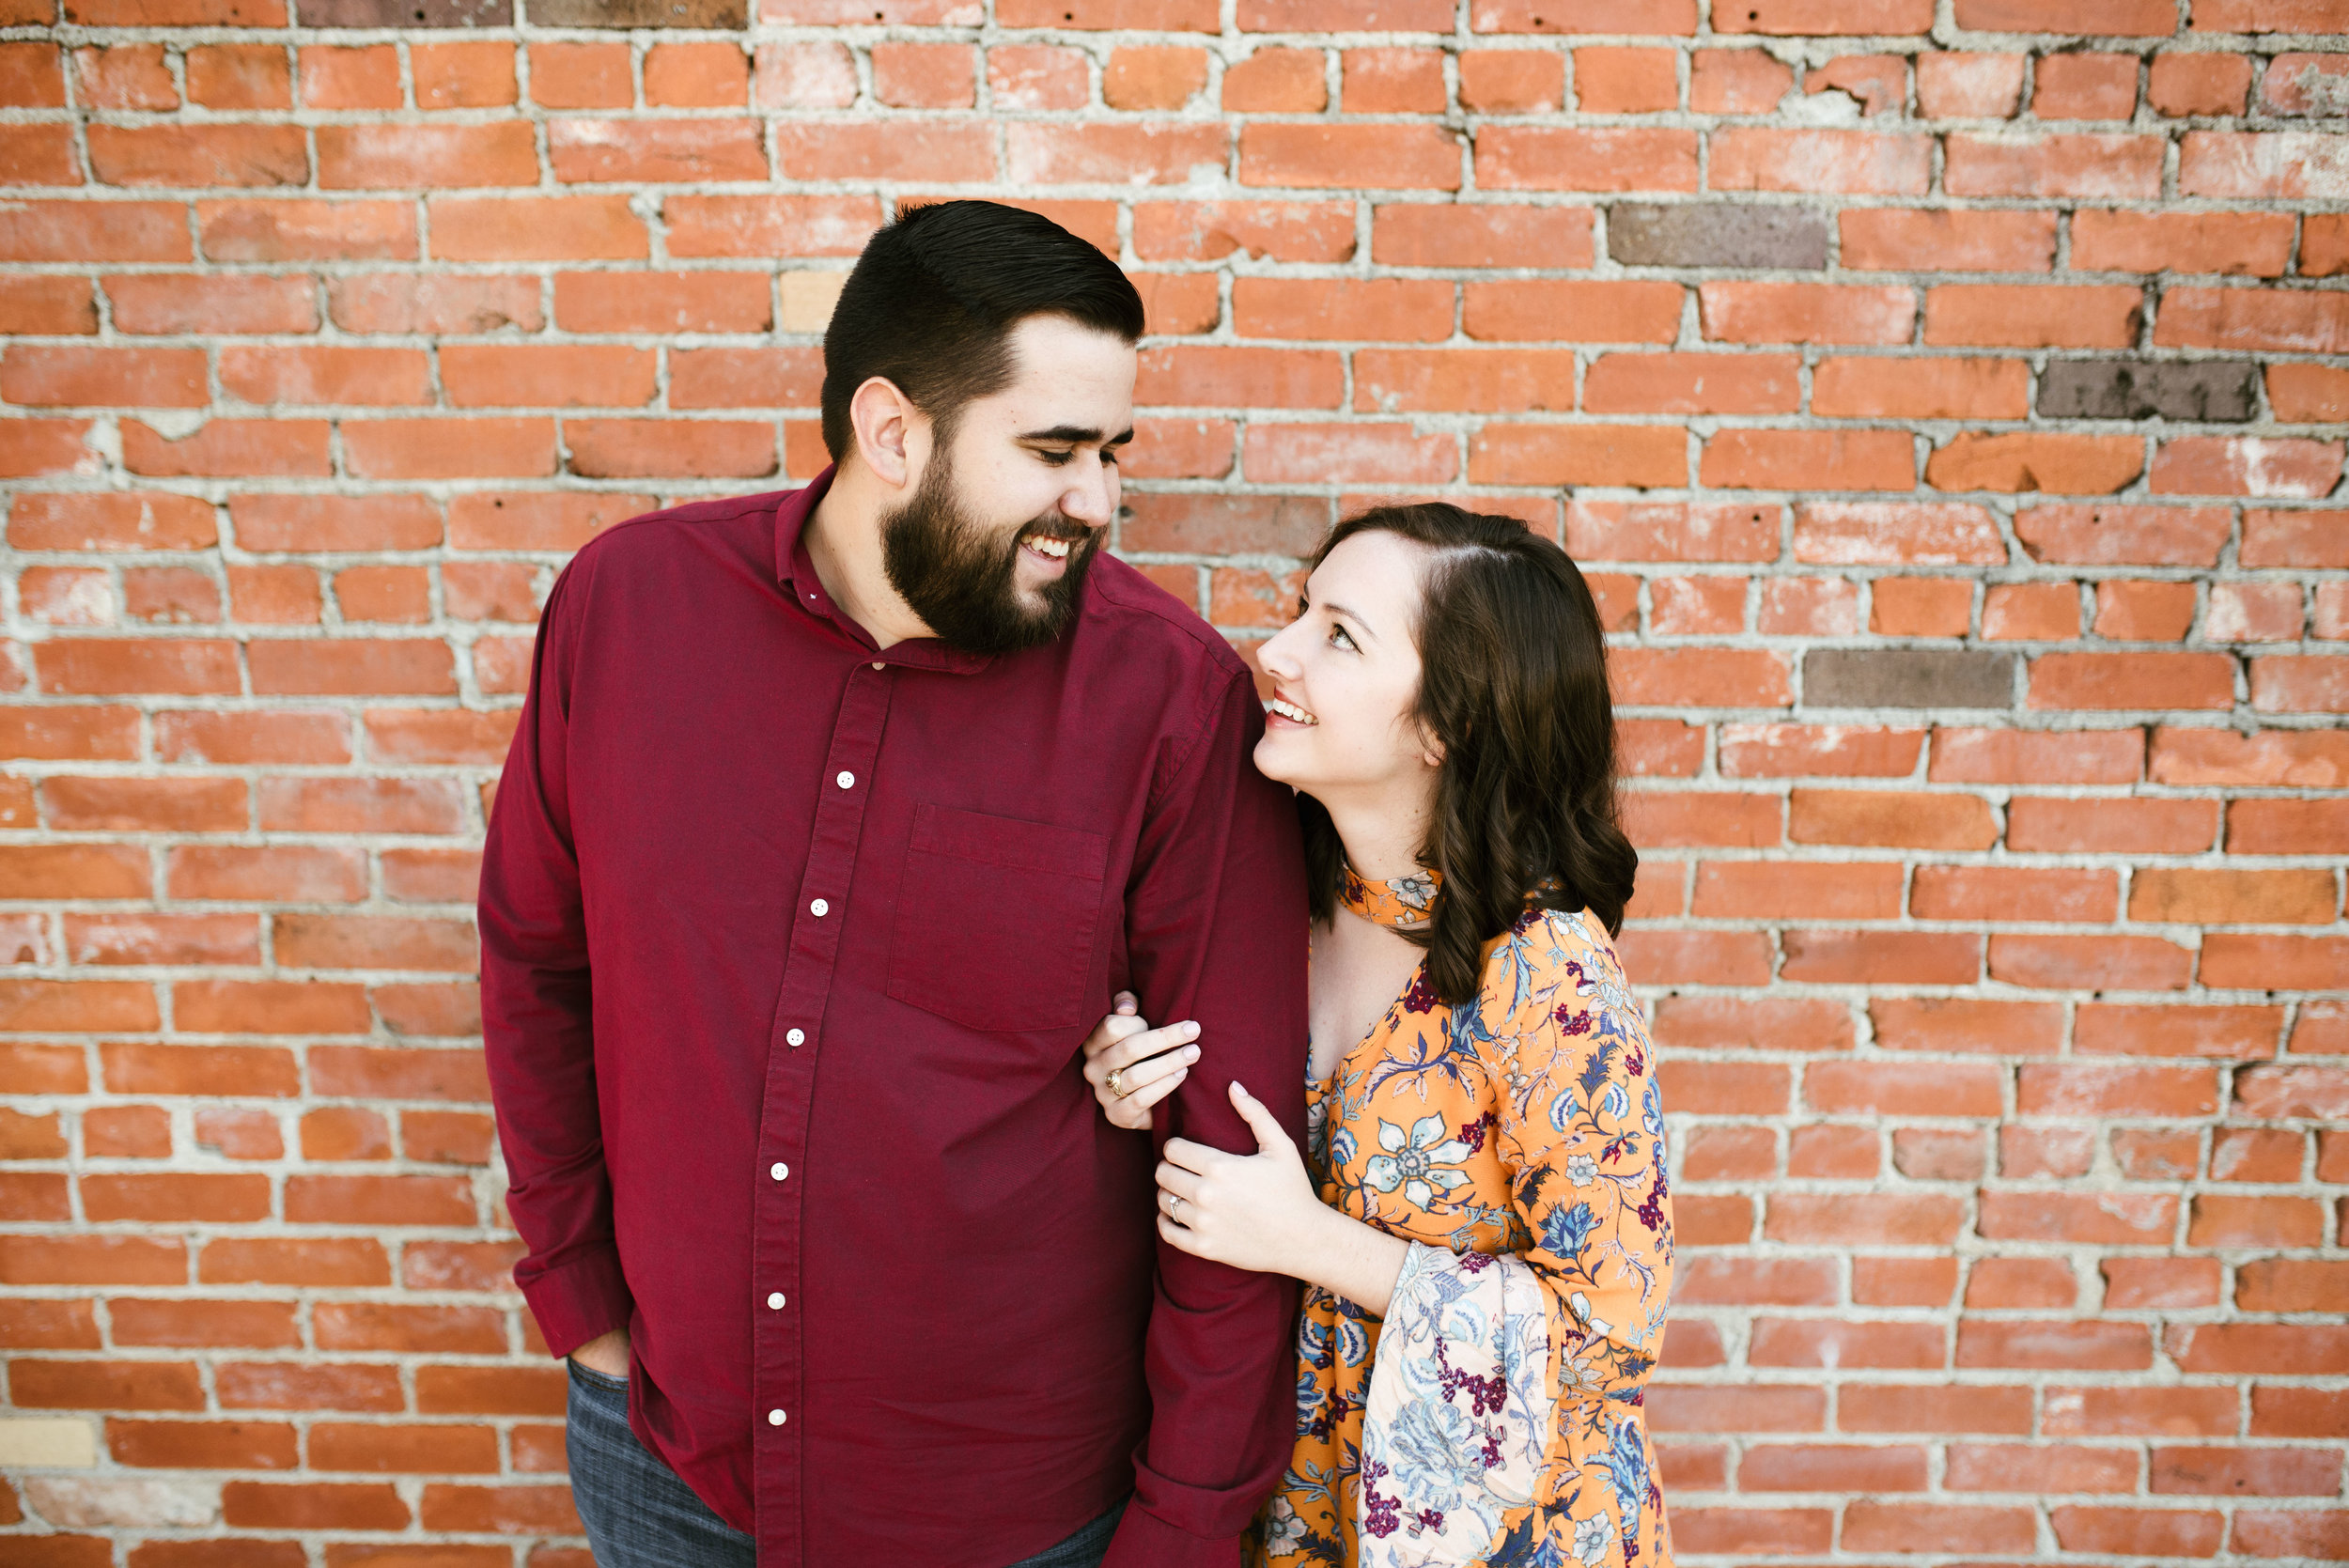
1116	1081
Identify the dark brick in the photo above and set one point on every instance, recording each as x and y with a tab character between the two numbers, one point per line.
638	14
1907	678
404	13
1716	234
2208	390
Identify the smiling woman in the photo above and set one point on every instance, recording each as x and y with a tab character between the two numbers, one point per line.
1481	1213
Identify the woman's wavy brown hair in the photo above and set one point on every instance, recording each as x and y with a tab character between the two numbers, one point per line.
1514	683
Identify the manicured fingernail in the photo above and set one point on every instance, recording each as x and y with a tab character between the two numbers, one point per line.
1190	1028
1191	1053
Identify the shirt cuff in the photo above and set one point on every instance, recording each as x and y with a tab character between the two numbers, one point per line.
585	1298
1146	1541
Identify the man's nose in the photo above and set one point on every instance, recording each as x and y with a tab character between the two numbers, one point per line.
1092	500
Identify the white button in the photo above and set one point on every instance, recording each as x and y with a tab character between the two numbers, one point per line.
846	781
877	666
797	1037
774	1418
819	908
774	1300
778	1170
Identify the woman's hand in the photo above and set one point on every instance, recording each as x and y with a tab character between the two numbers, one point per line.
1254	1211
1132	1066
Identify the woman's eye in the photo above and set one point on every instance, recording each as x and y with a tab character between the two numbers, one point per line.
1338	639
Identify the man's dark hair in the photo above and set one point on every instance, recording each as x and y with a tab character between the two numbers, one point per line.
933	300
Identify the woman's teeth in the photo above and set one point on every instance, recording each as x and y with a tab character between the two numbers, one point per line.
1290	712
1043	545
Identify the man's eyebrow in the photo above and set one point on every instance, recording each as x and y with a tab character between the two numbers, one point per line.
1077	435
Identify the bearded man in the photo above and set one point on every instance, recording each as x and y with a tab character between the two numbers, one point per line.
834	818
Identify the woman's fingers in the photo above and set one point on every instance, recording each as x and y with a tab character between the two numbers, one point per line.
1148	1067
1270	1135
1183	1184
1112	1027
1151	1094
1124	1053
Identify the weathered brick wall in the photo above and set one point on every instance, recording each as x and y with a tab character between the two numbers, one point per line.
1946	413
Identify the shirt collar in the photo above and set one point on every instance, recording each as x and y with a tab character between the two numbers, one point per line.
795	571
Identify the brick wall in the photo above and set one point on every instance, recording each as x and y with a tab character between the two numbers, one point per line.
1946	413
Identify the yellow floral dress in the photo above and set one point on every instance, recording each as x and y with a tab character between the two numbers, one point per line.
1494	1416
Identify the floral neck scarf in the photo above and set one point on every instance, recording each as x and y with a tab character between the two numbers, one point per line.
1401	903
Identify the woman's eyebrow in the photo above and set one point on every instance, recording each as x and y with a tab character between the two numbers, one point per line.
1353	615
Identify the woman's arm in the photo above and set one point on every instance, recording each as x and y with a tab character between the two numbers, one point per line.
1260	1212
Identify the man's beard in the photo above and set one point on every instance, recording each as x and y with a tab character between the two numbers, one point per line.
960	576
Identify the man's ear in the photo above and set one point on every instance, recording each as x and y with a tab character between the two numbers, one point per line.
891	435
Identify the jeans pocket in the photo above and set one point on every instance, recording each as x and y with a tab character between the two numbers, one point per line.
587	1376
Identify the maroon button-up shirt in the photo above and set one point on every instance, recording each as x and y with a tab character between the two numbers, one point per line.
788	946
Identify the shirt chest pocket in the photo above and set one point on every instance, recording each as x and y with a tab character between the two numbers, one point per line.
997	918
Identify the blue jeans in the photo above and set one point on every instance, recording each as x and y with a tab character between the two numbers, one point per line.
639	1515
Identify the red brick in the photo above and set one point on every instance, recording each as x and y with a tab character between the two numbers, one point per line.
327	1261
2089	963
1927	820
1636	311
1426	234
1626	157
2131	680
2238	1033
84	232
47	377
2136	612
1828	16
2061	1152
2218	465
1619	81
1806	312
1640	455
449	448
1967	1024
1960	314
123	78
199	156
2168	1532
146	1321
240	1134
1810	459
581	76
426	157
1802	751
1277	80
2118	535
512	1510
1868	1219
277	448
697	75
1831	1342
1737	82
1851	162
1548	16
1511	81
657	151
387	1449
1383	156
503	228
2303	1533
47	306
362	77
240	76
1024	76
448	306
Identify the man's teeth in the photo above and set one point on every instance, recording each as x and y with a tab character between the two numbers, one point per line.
1044	545
1290	712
